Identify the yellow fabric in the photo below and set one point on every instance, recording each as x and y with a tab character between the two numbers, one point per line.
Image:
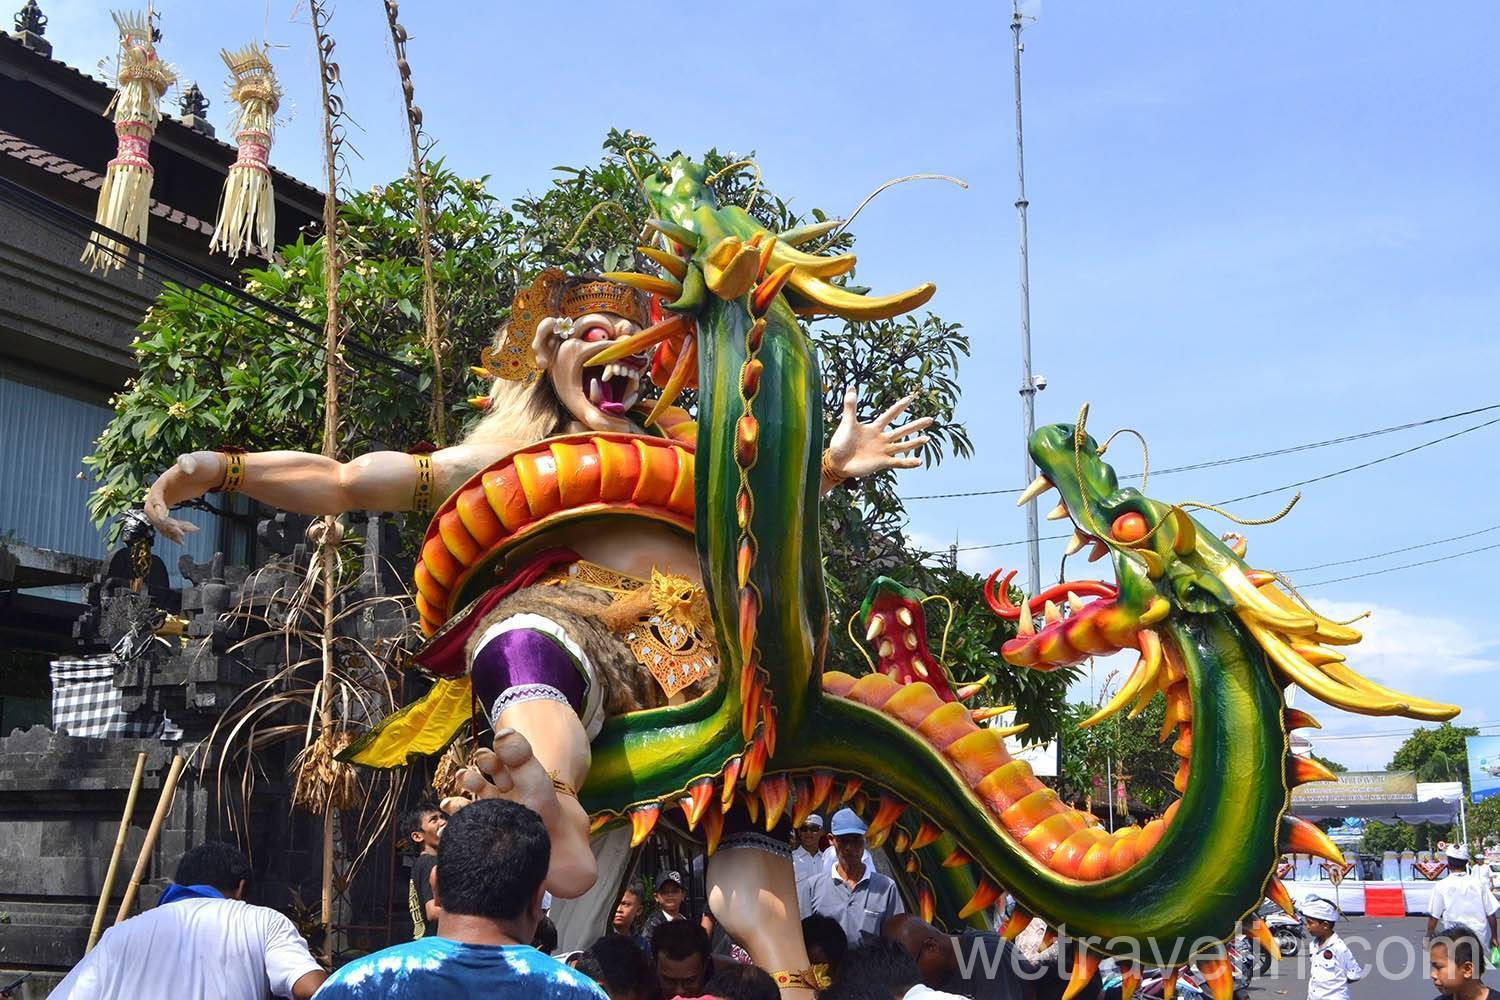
424	727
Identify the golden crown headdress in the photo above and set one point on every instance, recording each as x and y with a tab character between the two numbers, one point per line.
553	293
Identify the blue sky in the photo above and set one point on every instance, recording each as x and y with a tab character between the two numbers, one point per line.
1251	228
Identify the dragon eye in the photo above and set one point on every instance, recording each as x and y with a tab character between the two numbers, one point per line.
1128	528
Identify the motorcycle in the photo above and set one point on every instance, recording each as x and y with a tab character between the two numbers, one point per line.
1289	932
1190	985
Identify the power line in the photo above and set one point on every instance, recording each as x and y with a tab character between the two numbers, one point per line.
1392	569
1388	734
1305	482
1364	465
1252	457
1392	552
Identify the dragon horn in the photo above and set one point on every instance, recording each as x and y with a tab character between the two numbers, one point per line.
667	288
670	262
638	342
799	235
1219	978
1142	678
713	827
1301	770
765	293
848	305
686	362
1085	964
1300	837
983	898
927	832
700	793
774	789
642	822
1265	938
674	232
1018	921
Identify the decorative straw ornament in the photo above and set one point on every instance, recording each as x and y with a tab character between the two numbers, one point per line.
125	196
247	212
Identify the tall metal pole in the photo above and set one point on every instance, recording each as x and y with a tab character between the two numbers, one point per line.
1028	385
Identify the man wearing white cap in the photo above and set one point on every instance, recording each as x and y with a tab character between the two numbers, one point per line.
860	898
1333	965
806	861
1463	897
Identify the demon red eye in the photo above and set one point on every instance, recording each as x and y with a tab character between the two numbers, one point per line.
594	334
1128	528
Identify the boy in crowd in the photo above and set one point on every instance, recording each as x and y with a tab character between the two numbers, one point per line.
1333	965
423	827
490	865
669	899
1457	961
201	942
616	963
628	912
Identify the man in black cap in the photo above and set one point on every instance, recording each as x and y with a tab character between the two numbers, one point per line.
669	900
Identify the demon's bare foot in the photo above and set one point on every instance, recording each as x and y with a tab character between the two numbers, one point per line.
509	771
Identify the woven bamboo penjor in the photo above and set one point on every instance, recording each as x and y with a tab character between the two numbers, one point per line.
125	197
247	212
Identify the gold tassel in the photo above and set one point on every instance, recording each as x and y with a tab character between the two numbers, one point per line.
247	212
125	196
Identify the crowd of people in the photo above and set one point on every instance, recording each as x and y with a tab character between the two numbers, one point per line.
480	930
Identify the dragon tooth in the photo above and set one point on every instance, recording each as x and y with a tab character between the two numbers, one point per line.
956	858
926	902
926	833
1219	978
903	615
1099	551
1024	624
713	828
1075	602
1301	770
1051	613
1017	922
1058	513
909	640
1263	937
700	793
1130	980
1277	893
822	784
773	795
1038	486
1078	541
877	626
887	649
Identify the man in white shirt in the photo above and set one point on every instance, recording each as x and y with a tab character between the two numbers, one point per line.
807	860
201	942
1333	965
1463	897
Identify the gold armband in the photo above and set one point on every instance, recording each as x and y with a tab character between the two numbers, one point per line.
421	494
234	470
827	466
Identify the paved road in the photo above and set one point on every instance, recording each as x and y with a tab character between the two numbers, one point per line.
1389	949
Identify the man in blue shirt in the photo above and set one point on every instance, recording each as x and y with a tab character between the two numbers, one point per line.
488	887
852	891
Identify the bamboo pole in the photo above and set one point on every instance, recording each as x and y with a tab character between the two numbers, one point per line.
168	789
329	77
114	858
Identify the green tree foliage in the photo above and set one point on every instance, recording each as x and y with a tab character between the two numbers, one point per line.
1484	820
1122	746
216	370
1332	765
1436	754
1382	837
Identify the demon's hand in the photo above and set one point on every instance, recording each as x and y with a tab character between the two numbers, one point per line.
864	449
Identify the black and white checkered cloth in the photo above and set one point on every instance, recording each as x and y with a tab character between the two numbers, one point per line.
85	702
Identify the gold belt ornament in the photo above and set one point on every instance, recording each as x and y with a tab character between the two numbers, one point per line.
664	620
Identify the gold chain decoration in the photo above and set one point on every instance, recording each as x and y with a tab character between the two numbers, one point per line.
234	470
421	494
813	978
665	621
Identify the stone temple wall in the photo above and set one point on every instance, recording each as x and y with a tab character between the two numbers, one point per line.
61	797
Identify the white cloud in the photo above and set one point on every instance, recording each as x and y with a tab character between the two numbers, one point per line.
1401	647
